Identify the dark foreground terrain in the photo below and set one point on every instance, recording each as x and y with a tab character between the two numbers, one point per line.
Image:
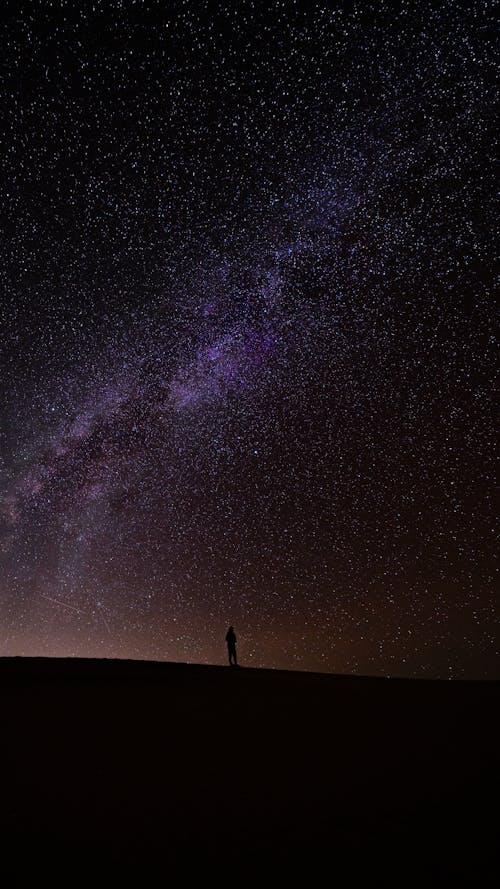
122	772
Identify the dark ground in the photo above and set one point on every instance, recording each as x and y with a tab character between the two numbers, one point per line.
168	773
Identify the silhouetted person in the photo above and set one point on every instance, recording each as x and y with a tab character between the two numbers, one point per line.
231	647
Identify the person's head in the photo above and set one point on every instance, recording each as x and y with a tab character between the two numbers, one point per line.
230	629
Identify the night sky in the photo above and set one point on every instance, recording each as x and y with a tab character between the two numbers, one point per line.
247	343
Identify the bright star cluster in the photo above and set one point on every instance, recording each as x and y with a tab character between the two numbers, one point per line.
247	339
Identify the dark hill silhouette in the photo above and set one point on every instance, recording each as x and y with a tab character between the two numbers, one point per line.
116	768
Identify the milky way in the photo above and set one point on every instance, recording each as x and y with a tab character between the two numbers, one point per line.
247	335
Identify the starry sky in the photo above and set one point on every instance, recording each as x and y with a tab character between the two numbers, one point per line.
247	344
